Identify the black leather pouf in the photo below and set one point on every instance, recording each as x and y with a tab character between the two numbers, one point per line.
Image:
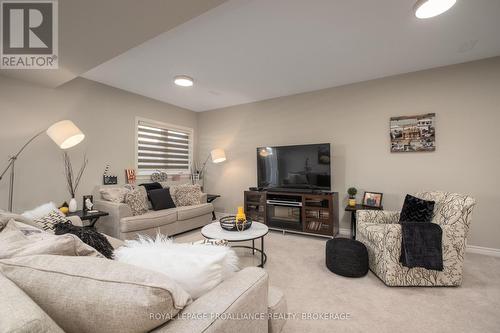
346	257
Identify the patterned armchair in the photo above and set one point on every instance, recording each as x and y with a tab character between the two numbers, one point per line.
381	233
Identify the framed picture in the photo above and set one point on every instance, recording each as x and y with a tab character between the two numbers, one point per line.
413	133
88	203
372	199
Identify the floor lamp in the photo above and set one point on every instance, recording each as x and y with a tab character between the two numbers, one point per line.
64	133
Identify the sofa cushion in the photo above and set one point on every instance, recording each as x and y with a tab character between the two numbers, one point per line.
18	312
13	243
151	219
161	199
83	294
114	194
189	212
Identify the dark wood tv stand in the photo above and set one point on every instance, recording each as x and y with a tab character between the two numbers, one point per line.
318	213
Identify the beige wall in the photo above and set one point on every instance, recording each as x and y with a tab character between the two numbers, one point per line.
106	115
355	120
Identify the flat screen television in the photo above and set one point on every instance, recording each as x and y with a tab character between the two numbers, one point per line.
301	167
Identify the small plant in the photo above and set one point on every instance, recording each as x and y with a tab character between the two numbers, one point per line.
352	191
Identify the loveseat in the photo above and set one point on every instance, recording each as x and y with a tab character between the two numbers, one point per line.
42	293
123	225
381	234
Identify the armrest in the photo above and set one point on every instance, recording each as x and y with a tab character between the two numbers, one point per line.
203	198
377	216
119	210
221	310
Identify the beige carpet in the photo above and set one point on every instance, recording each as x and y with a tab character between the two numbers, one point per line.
296	264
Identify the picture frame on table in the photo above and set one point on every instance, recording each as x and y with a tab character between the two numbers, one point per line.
372	199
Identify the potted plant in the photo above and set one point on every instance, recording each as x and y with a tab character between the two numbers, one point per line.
352	191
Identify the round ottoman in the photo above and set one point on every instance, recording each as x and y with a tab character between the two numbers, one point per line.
346	257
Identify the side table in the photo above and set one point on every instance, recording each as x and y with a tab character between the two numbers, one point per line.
92	217
210	199
353	210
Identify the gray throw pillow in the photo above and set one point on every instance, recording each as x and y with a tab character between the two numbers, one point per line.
49	221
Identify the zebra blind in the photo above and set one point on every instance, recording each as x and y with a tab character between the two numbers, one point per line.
162	148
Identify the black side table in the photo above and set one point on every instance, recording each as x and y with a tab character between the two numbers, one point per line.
353	210
210	199
92	217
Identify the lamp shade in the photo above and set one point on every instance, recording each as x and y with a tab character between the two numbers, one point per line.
218	155
65	134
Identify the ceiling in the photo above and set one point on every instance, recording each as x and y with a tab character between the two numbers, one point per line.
244	51
93	31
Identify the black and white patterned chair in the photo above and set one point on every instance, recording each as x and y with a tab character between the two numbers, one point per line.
381	234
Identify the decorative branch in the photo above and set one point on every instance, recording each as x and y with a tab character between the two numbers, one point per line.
72	182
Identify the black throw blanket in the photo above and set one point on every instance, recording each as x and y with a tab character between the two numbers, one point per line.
88	235
422	245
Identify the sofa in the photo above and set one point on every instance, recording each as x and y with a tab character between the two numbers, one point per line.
380	232
28	303
121	224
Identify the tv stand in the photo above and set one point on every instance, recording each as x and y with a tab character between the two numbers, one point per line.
295	211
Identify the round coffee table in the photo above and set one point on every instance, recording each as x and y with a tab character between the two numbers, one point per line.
257	230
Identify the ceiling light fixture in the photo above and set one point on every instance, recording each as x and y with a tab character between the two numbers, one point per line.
183	81
430	8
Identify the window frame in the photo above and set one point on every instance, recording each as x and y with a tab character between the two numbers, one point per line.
167	126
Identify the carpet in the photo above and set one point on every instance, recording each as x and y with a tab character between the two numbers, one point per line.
296	265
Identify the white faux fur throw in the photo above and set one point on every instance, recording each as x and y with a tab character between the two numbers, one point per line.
197	268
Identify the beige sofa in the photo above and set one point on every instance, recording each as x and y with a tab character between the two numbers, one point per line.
123	225
240	304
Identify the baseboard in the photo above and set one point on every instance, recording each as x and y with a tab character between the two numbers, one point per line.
488	251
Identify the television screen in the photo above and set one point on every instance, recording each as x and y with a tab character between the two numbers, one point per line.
294	167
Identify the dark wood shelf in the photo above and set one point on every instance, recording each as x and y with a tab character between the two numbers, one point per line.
323	226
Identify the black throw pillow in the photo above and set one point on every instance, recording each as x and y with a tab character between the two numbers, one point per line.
416	210
89	236
161	199
151	186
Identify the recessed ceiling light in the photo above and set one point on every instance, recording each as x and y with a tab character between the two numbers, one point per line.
183	81
430	8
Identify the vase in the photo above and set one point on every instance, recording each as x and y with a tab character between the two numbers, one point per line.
72	205
352	202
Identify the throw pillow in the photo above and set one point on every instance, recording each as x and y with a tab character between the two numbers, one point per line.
40	211
83	294
114	194
161	199
416	210
151	186
89	236
14	243
49	221
196	268
186	195
137	201
19	313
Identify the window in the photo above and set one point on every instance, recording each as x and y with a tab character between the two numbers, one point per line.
163	147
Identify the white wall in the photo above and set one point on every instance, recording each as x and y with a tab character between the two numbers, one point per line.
355	120
107	117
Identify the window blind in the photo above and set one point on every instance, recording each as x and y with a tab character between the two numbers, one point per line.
162	148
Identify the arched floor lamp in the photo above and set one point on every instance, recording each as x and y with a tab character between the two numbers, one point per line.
64	133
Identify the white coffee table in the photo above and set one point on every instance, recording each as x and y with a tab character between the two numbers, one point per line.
257	230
